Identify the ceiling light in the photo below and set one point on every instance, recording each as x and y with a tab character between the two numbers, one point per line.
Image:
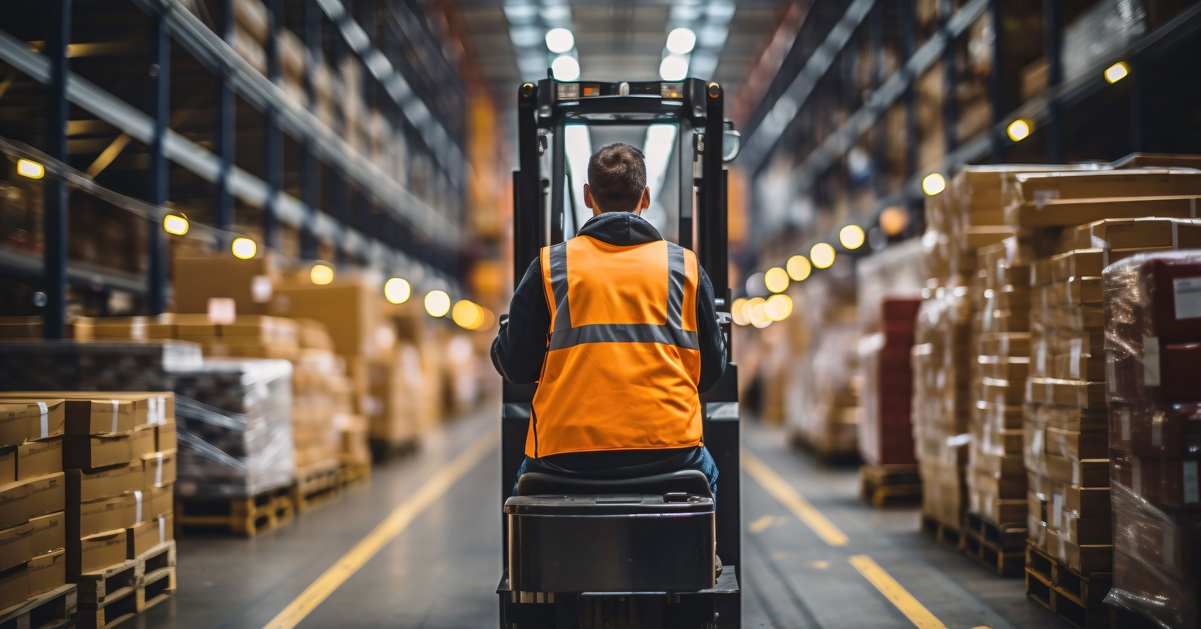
437	303
467	315
736	311
822	255
321	274
565	68
851	237
681	41
798	268
893	220
673	68
1117	72
778	307
933	184
559	40
1019	130
175	225
397	290
755	285
30	168
243	248
776	279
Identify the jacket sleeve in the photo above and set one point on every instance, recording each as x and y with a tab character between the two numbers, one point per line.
713	344
520	345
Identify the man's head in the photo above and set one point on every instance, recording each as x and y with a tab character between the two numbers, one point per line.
617	181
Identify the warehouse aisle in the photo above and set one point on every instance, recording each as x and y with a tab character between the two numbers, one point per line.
441	570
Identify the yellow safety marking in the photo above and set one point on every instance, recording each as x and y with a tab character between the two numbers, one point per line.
897	595
393	525
788	496
764	523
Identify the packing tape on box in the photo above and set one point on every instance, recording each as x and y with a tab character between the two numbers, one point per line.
44	420
116	409
162	529
152	412
158	469
162	410
137	498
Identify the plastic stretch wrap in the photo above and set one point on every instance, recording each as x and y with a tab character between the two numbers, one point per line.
886	433
1157	561
832	421
94	366
1103	31
235	427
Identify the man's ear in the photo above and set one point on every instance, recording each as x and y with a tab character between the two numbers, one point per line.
588	202
646	200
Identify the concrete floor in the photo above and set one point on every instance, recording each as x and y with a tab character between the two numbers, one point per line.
441	571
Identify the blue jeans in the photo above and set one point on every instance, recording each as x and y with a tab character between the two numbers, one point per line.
626	463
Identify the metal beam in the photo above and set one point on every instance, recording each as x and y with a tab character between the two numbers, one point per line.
56	192
223	209
160	108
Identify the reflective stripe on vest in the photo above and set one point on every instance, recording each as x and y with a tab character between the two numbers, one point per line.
623	357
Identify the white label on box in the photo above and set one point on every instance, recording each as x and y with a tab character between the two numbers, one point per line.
1191	490
44	420
1041	197
222	310
1187	294
1151	361
1057	511
137	498
260	289
1077	350
116	410
137	330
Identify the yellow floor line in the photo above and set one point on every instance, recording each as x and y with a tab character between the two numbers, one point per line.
895	593
789	497
393	525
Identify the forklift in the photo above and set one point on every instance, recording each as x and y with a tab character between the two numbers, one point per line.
639	552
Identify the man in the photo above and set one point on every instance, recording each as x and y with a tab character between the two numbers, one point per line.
619	329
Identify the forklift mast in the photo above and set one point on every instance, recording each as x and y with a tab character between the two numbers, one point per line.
540	219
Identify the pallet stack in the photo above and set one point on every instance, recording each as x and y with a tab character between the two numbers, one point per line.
1153	348
236	465
33	570
1065	424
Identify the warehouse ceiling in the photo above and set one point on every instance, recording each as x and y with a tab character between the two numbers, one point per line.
615	41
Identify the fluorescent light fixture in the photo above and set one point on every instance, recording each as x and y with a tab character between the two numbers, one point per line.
851	237
397	290
577	140
822	255
321	274
673	68
559	40
30	168
681	41
1117	72
565	68
437	303
1019	130
175	225
776	279
243	248
799	268
933	184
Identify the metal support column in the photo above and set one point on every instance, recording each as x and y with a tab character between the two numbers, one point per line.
223	211
55	221
908	46
309	165
1137	86
996	86
160	110
1053	34
880	135
273	150
950	81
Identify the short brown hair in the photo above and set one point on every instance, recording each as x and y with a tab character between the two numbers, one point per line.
617	177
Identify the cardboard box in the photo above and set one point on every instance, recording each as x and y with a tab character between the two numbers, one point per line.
165	437
1072	212
96	552
25	500
158	501
8	465
158	469
1133	233
84	486
199	278
37	419
1036	188
91	452
99	413
39	458
38	576
40	535
107	514
350	312
149	534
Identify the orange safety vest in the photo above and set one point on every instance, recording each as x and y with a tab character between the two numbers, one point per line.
623	359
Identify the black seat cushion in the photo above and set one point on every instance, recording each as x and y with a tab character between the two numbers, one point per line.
682	481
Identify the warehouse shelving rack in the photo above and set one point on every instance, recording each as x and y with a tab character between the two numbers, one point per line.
140	98
778	123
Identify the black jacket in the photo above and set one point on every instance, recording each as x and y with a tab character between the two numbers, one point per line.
520	346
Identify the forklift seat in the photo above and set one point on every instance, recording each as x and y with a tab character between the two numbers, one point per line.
688	482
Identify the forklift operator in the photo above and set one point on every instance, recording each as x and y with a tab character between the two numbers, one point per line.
619	329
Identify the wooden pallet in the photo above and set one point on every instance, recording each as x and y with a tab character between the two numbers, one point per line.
353	474
1076	598
384	451
99	587
51	610
156	582
823	457
941	533
890	485
1002	549
316	485
246	516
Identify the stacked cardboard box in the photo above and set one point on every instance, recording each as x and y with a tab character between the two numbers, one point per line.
1153	356
33	493
94	366
1065	421
235	428
996	479
198	279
